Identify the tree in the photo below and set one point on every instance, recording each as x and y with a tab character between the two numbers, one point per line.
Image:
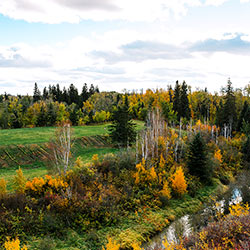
122	131
61	148
176	100
84	95
184	109
37	94
246	150
178	182
197	159
229	108
45	94
244	116
42	117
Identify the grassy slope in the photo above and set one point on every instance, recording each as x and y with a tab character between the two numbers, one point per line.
44	134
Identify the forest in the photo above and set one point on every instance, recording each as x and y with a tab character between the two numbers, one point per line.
193	146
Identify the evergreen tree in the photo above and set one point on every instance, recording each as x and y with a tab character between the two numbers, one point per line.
58	93
243	116
170	92
246	150
42	118
184	109
45	94
176	100
37	94
197	159
73	94
51	115
122	131
84	94
219	115
73	114
65	96
91	90
229	108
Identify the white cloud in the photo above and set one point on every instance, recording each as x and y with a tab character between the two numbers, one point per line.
215	2
57	11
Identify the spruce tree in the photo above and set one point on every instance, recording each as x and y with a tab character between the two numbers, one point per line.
243	116
176	100
229	108
122	131
197	159
37	94
184	109
84	94
246	150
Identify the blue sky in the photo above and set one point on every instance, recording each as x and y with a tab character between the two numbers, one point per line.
123	44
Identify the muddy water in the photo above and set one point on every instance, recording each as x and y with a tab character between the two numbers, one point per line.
238	192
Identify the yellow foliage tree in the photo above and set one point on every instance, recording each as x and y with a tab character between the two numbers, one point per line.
3	184
13	245
179	184
19	181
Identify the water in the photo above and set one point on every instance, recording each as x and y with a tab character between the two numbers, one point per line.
187	224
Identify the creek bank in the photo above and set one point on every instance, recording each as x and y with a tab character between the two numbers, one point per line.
238	191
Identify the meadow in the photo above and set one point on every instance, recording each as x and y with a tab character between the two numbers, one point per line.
38	137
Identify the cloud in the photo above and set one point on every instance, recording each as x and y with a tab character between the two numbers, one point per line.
139	51
234	45
18	61
215	2
102	70
107	5
58	11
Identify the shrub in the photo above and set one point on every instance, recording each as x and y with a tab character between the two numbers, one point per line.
19	181
13	244
2	187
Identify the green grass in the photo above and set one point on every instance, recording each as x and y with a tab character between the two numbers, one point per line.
38	169
23	136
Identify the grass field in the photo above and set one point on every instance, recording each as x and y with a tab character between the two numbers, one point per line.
38	169
24	136
42	135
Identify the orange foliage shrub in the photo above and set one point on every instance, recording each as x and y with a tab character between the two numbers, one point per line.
13	245
41	185
179	184
111	245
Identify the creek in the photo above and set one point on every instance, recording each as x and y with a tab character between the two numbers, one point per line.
184	226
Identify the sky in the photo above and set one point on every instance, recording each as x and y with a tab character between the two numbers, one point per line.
123	44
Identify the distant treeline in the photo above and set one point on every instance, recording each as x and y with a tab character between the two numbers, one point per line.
230	109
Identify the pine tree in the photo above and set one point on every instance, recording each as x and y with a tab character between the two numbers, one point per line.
73	94
51	115
84	94
246	150
122	131
176	100
184	109
229	108
37	94
45	94
42	118
243	116
197	159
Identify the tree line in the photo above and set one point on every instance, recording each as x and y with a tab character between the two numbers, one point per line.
179	105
